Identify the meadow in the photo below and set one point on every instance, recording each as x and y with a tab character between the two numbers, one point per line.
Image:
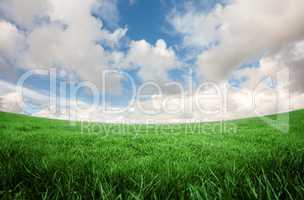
241	159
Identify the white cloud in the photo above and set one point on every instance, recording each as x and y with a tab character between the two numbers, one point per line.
251	29
154	61
107	10
197	28
290	60
11	39
15	99
11	45
244	30
73	39
204	105
68	39
113	39
24	13
11	102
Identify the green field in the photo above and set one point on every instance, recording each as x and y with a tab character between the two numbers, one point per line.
52	159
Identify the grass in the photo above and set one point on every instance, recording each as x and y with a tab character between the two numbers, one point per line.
52	159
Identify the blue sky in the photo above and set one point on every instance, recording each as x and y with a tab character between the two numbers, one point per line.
162	41
147	19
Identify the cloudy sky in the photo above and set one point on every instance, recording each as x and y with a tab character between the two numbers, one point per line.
142	60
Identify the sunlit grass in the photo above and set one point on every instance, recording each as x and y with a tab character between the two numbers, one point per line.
51	159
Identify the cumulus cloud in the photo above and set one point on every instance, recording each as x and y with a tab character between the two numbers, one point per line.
11	39
250	29
24	13
107	10
290	60
198	29
11	102
11	45
57	34
243	30
154	60
15	98
65	34
74	43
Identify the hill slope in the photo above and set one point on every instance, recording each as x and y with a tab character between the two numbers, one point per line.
51	159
